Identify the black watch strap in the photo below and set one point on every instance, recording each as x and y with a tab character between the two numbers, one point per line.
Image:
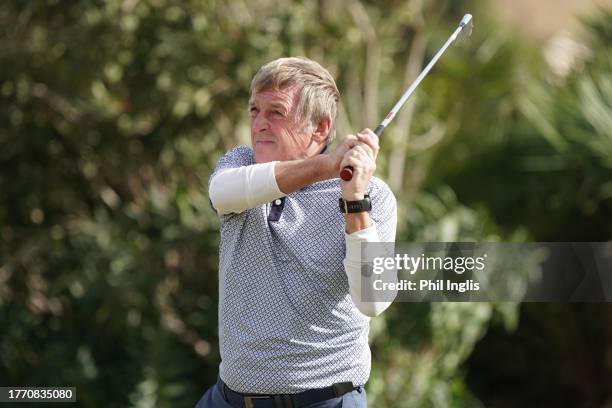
347	207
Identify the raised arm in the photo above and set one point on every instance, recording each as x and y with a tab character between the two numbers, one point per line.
362	227
234	190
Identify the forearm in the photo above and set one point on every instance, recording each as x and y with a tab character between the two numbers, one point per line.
360	284
296	174
357	221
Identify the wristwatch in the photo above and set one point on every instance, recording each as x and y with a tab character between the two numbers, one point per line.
347	207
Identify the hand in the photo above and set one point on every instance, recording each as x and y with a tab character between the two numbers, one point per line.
362	158
335	157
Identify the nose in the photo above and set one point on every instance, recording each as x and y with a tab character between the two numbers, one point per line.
260	123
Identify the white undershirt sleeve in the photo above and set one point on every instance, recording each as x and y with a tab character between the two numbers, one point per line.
352	266
238	189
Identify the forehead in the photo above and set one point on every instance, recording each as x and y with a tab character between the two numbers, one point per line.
285	96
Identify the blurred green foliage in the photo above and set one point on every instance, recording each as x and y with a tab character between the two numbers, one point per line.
112	115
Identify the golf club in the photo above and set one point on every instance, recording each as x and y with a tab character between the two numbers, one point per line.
465	30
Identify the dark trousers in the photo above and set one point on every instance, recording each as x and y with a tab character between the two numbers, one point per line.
214	397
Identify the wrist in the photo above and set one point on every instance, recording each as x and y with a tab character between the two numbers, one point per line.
355	206
328	167
352	196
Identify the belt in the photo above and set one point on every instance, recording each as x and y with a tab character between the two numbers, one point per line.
240	400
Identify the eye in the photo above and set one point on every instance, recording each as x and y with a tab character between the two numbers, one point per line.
277	113
253	110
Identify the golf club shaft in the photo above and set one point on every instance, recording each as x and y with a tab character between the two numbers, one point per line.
347	172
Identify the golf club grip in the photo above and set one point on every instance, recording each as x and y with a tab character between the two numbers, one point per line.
347	172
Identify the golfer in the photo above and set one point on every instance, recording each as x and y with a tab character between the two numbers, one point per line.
293	328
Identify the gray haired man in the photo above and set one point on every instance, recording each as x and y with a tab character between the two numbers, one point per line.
293	328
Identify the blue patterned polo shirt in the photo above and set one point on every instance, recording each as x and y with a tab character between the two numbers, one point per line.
286	320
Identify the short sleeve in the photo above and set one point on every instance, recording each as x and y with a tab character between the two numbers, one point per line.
237	157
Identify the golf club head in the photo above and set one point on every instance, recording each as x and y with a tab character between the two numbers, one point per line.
466	25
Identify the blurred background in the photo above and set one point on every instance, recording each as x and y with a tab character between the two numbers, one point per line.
113	113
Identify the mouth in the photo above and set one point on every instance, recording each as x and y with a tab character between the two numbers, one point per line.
264	142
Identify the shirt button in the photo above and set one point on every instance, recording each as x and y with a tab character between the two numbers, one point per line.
277	202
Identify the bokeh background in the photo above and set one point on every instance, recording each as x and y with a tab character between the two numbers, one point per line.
113	113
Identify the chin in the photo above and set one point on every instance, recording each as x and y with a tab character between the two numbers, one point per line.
264	157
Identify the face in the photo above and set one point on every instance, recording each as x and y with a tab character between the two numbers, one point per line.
278	132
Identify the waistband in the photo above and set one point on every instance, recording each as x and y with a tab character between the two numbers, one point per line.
301	399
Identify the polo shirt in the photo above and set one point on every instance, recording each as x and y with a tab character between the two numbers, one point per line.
287	322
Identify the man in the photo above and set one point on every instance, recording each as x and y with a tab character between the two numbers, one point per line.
293	329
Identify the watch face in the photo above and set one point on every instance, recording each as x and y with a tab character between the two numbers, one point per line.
356	206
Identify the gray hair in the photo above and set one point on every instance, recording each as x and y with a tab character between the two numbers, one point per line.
318	92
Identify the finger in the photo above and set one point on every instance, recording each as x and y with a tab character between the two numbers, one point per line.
369	133
353	162
358	163
365	150
347	143
369	137
350	138
359	158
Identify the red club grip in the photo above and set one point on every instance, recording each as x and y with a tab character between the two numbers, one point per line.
347	173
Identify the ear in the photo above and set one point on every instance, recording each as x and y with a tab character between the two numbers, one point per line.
321	130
